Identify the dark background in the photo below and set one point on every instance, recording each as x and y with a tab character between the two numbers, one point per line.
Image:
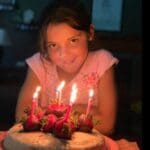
125	44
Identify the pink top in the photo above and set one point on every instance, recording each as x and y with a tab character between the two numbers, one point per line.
95	66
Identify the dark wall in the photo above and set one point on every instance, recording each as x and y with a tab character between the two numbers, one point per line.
132	17
24	41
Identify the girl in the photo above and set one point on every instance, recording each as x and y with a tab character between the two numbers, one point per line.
64	39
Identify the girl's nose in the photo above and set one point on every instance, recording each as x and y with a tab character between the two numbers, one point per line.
63	52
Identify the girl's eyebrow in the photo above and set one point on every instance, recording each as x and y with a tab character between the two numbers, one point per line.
79	34
50	42
74	36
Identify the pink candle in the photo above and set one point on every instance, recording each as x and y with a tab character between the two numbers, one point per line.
38	89
72	100
59	92
91	94
35	99
34	102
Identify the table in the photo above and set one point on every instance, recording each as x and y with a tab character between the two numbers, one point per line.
123	144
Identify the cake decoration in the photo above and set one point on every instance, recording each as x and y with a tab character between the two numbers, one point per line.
58	118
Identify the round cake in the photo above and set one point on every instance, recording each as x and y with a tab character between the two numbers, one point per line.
17	139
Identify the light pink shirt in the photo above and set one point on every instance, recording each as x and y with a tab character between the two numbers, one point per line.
95	66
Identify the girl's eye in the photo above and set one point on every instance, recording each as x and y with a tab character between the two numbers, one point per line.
73	41
52	46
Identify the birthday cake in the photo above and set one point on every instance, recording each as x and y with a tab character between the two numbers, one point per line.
53	130
56	127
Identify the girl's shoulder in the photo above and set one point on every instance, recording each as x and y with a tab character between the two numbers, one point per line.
101	53
102	56
37	58
101	60
38	64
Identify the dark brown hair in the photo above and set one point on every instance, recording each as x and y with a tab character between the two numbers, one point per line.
74	14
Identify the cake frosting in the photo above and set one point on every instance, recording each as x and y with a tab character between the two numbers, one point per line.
17	139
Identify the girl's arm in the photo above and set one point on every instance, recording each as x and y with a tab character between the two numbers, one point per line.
26	93
106	109
107	103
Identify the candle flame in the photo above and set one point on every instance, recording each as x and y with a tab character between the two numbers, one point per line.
35	95
60	87
73	93
91	93
38	88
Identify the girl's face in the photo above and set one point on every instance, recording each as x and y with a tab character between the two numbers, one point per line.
67	47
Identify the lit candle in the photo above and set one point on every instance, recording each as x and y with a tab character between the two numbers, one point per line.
34	102
59	91
35	99
73	94
72	100
91	94
38	89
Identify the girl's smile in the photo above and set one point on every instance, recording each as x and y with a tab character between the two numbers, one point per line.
70	61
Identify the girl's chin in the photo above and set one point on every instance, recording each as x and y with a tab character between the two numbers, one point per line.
69	69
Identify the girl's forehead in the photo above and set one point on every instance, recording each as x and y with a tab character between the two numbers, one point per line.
60	26
61	31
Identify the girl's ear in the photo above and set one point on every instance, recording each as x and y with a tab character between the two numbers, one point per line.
92	32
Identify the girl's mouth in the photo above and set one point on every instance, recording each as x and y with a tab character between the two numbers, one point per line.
70	61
